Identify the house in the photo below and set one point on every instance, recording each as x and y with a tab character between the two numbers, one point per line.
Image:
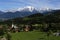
14	28
27	28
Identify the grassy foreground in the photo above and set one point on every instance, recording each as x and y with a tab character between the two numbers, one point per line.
32	36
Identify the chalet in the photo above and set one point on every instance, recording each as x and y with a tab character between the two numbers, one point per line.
14	28
27	28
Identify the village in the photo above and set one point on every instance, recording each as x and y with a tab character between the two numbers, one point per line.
23	28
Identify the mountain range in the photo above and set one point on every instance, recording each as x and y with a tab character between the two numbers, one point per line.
22	12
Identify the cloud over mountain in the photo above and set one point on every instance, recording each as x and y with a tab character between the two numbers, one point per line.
8	4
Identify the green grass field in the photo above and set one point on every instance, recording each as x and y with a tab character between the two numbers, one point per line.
32	36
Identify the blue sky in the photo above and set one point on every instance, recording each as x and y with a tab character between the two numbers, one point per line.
9	4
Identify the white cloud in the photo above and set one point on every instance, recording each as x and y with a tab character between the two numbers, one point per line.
36	3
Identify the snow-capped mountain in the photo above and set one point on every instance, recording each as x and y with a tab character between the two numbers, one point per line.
44	10
27	8
21	12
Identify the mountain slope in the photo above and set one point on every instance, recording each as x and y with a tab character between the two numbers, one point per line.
1	12
26	11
